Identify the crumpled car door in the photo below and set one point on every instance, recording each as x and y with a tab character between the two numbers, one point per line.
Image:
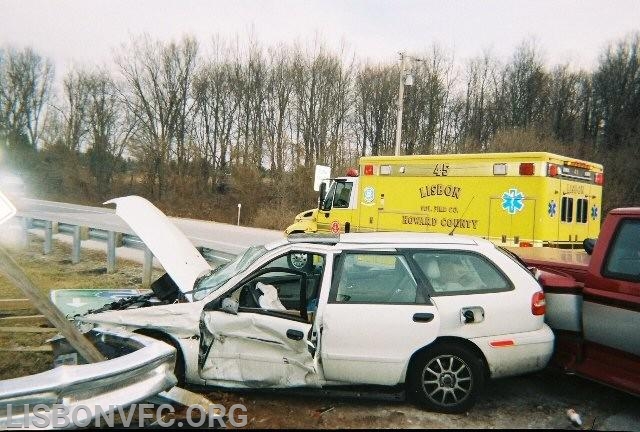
255	349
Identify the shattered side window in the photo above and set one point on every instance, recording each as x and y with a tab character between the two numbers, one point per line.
283	285
222	274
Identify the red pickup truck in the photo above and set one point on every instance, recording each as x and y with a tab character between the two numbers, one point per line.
593	302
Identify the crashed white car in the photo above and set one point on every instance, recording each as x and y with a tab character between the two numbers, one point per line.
437	313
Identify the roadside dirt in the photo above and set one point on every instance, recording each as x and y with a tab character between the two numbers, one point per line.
534	401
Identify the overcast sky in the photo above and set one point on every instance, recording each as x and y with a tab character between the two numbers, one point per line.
86	31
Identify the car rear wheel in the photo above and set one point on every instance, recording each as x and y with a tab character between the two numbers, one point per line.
446	378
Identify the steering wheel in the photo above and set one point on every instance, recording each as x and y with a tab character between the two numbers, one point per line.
250	292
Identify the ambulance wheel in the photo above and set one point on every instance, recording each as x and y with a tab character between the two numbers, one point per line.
299	261
446	378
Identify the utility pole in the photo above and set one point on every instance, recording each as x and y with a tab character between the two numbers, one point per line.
406	79
400	104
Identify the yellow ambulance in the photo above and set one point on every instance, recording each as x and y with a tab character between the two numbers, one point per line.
514	199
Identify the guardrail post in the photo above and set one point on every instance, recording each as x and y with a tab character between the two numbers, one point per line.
111	251
48	237
84	233
75	254
26	225
147	267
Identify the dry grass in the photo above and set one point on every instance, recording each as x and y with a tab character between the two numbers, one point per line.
51	272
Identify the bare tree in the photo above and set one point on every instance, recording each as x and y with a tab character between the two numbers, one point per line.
526	87
73	110
477	125
565	103
426	103
375	95
158	82
250	113
25	89
617	92
215	93
317	79
109	128
278	105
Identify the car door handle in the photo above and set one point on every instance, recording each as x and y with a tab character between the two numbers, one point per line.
423	317
295	334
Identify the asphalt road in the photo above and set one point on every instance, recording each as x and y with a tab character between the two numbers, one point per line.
220	237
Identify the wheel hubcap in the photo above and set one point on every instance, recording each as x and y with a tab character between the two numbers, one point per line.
447	380
299	260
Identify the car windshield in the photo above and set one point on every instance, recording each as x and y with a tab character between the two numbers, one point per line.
218	277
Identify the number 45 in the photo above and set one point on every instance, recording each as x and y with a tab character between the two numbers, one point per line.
441	169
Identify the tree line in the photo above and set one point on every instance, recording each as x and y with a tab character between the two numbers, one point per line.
197	129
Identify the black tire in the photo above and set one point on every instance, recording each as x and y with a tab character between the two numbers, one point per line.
446	378
180	368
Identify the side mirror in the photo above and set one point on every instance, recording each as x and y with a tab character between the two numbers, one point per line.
323	191
230	306
588	245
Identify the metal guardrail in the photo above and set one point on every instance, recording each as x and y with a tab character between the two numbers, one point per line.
121	381
217	242
113	239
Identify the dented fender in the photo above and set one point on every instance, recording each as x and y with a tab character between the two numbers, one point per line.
179	319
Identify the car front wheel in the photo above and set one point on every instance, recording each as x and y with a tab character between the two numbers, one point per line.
446	378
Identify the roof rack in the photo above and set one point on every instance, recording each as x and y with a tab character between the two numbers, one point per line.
325	238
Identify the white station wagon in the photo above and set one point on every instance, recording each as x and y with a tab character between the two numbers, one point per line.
439	314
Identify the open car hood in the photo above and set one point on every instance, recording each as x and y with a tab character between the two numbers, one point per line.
176	253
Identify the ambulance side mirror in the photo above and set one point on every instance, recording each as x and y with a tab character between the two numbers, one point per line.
323	191
589	244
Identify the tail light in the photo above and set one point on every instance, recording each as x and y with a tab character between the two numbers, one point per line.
527	168
538	303
526	244
599	179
